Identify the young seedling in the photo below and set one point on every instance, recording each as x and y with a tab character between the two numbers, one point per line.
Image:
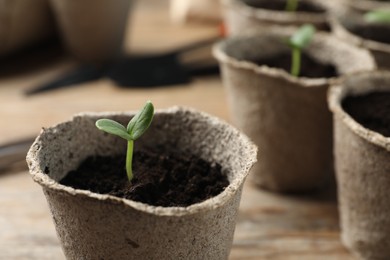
378	16
135	128
291	5
298	41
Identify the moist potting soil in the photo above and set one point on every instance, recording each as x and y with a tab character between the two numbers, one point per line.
160	179
370	110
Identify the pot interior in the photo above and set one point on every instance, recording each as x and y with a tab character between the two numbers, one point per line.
255	48
62	148
355	23
280	5
365	97
324	49
273	51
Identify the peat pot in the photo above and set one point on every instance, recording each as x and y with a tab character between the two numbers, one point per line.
96	226
24	23
286	116
92	30
350	26
362	161
368	5
243	15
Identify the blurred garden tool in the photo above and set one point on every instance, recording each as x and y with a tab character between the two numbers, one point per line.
82	74
171	68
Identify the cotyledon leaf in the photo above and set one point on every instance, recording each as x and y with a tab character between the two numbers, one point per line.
113	127
301	38
141	121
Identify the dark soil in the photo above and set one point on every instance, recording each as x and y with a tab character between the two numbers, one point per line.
281	5
378	32
310	68
159	179
371	110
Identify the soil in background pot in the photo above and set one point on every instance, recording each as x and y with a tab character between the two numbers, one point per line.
160	179
310	67
281	5
371	110
378	33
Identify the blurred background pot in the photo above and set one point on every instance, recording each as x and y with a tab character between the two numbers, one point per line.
23	23
92	30
96	226
243	15
350	26
287	117
362	160
368	5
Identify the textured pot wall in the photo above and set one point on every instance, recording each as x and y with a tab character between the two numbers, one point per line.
240	17
23	23
286	117
294	139
362	167
93	30
344	23
93	229
94	226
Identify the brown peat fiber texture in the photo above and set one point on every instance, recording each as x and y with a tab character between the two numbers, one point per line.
371	110
167	180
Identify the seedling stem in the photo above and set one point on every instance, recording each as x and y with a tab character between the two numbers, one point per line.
296	61
129	159
135	128
297	42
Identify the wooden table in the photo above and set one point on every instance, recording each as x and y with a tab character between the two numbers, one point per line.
270	226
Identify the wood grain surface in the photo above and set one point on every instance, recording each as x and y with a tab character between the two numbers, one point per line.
270	226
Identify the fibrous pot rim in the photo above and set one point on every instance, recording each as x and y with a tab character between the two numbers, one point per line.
223	57
48	183
338	92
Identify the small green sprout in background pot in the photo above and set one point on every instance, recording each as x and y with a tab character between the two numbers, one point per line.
291	5
135	128
298	41
378	16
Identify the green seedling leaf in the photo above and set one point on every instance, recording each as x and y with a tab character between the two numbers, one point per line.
113	127
378	16
141	121
302	37
135	128
291	5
